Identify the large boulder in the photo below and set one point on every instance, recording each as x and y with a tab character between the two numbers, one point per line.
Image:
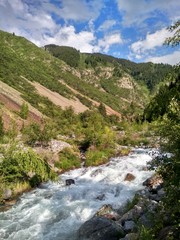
7	194
132	214
100	228
129	226
154	183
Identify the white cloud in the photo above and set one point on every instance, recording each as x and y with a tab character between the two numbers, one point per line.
172	58
107	25
35	23
80	10
67	36
136	11
151	41
145	49
109	40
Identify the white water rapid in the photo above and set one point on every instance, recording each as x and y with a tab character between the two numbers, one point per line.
55	211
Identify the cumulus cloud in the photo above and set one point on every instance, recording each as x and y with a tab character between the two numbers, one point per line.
136	11
172	58
151	41
25	18
146	48
35	22
67	36
109	40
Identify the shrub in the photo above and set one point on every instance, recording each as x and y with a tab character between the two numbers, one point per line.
18	163
1	127
96	157
68	159
24	111
145	234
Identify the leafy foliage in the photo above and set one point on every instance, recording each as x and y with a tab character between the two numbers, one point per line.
167	95
166	105
24	111
97	156
23	165
34	133
175	39
68	159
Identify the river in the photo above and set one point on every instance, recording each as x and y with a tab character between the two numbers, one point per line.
55	211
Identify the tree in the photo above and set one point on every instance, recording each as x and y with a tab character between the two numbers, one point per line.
175	39
167	103
24	110
32	133
102	109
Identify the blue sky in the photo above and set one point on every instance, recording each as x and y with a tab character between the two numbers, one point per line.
130	29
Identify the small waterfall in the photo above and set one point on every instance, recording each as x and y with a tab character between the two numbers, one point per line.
55	211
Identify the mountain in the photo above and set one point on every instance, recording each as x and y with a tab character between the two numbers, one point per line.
148	73
60	108
52	78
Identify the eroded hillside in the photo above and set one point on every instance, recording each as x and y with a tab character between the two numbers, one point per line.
81	81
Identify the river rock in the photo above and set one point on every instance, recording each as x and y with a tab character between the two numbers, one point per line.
107	212
130	236
7	194
129	226
100	228
132	214
154	183
146	220
96	172
68	182
101	197
129	177
161	193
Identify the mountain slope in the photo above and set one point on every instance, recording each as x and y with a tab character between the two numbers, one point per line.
48	84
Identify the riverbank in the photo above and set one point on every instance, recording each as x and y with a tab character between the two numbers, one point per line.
10	197
129	221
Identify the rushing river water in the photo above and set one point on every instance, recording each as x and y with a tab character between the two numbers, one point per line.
56	211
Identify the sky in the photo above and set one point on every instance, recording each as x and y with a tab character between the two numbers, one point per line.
130	29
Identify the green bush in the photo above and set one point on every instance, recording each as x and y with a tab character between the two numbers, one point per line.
23	165
24	111
96	157
145	234
1	128
68	159
17	163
